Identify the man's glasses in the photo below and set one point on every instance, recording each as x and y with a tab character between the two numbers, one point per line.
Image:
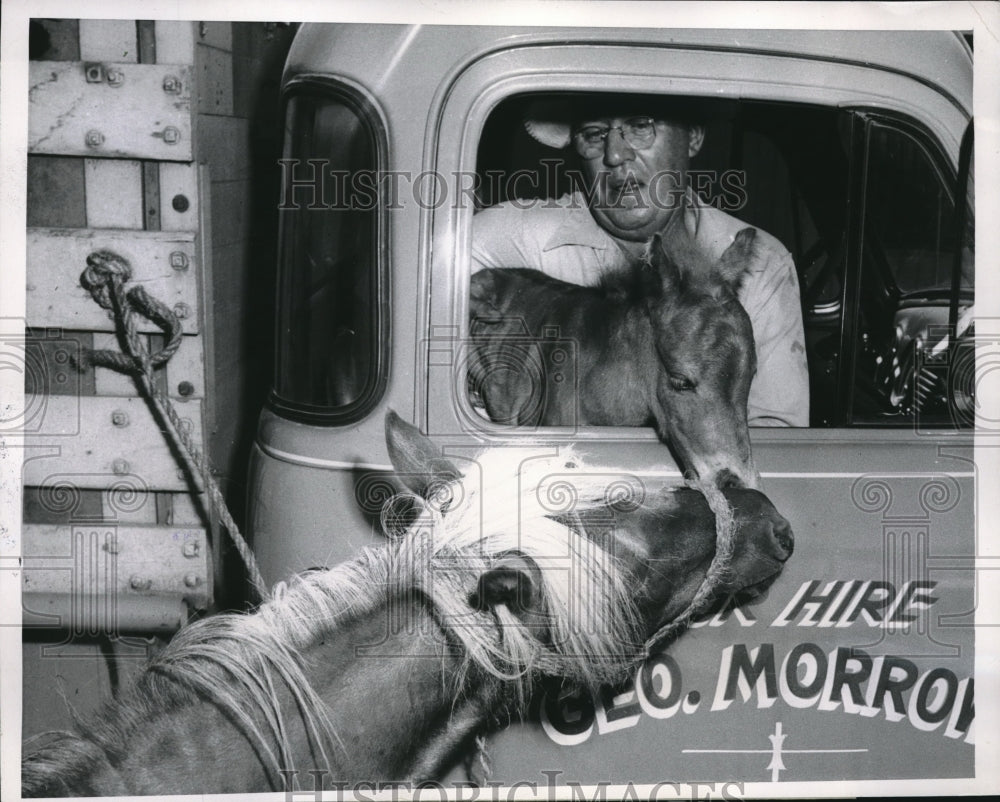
638	133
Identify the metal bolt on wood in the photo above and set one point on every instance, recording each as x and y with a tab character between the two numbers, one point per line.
115	78
137	582
172	85
191	549
94	138
119	418
179	260
171	135
182	311
94	73
192	580
120	467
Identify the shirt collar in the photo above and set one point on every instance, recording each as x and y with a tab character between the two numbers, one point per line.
579	228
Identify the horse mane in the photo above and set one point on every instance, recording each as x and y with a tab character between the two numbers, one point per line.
505	504
637	281
630	284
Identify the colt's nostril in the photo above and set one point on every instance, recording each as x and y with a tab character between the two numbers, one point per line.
784	538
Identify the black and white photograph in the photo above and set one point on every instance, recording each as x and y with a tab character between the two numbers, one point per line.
520	400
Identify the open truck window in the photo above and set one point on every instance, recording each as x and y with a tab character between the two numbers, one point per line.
866	205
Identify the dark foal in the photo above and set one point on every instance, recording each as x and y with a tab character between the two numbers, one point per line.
667	344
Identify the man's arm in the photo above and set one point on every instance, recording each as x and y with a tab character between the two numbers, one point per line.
498	240
560	238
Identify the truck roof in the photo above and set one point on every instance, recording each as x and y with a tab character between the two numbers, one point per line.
375	54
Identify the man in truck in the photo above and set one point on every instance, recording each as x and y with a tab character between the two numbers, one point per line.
634	155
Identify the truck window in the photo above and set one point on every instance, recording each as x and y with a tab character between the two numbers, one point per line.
793	170
910	242
332	323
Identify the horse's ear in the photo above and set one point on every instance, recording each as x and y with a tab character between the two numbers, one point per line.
419	463
735	262
513	582
663	265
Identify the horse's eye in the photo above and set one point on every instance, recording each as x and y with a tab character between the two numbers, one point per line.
681	383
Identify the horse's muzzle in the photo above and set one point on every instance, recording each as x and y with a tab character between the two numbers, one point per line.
764	539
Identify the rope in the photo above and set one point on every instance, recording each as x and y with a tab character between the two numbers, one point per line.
719	570
105	278
478	768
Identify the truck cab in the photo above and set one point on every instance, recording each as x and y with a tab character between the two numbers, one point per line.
853	149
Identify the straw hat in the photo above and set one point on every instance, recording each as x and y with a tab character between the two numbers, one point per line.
550	121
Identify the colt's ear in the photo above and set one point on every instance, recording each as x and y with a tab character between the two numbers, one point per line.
514	582
419	463
663	265
735	262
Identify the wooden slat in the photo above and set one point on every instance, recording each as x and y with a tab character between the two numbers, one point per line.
126	507
131	118
145	39
185	371
107	381
175	42
224	145
234	226
56	504
57	257
100	577
114	193
49	354
56	194
215	74
186	512
216	34
108	40
178	197
101	454
151	196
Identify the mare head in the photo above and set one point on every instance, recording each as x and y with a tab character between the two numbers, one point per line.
664	554
704	341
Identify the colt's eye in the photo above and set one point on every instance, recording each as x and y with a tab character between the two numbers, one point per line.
681	383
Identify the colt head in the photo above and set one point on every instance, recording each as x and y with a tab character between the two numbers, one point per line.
704	342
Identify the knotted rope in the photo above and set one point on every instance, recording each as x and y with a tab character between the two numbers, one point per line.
105	278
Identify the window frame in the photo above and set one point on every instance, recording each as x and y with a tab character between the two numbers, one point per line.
363	105
862	118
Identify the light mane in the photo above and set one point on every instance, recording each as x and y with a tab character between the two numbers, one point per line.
502	503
